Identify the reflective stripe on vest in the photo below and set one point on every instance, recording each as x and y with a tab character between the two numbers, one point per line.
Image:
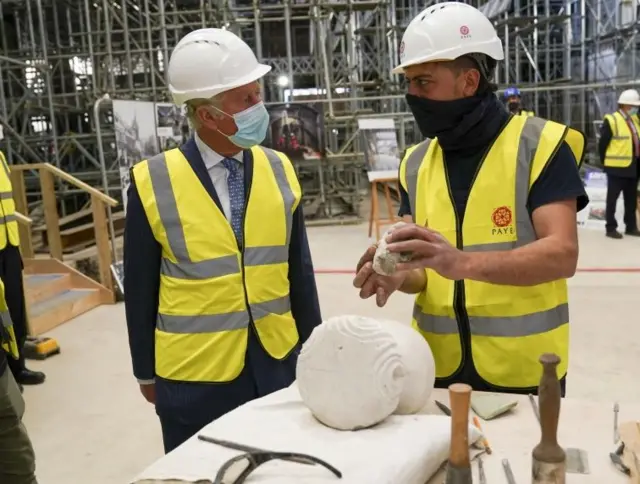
202	286
495	322
9	232
619	153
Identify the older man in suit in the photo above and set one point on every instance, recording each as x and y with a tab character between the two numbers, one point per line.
219	284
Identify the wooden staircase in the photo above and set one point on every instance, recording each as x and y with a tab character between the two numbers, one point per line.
54	291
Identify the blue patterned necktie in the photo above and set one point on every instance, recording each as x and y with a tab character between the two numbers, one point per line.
235	183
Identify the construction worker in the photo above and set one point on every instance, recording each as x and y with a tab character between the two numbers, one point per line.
513	100
493	198
619	150
17	459
11	274
219	285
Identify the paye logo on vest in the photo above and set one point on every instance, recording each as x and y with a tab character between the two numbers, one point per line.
502	218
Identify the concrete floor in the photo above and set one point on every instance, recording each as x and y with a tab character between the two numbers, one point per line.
89	423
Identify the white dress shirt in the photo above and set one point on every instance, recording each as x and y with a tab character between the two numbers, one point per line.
218	172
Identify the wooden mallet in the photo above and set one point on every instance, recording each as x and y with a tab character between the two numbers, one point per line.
459	466
549	459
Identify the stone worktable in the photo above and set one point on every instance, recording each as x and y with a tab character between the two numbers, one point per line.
585	425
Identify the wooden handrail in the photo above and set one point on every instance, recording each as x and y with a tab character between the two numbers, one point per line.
23	219
68	178
99	203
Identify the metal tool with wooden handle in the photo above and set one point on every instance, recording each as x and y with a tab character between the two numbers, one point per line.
459	466
549	459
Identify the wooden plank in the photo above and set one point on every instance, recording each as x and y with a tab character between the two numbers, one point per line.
102	242
53	170
64	311
87	212
51	218
39	287
78	279
84	235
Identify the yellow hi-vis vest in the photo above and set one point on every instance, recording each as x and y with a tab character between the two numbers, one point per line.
8	339
619	153
8	222
527	113
210	290
510	327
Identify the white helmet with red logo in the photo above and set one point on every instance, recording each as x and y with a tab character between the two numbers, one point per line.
446	31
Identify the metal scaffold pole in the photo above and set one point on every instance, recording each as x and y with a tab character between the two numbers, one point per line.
569	58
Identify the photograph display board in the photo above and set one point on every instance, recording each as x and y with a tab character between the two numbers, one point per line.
136	138
172	127
381	150
296	130
593	215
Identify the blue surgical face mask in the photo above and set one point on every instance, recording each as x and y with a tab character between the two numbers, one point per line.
633	111
252	126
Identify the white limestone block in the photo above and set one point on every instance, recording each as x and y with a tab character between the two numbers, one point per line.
384	262
354	372
418	366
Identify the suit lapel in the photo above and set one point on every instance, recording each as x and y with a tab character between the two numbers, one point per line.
247	162
194	157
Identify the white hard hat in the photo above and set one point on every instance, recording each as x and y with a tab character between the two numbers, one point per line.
446	31
630	97
207	62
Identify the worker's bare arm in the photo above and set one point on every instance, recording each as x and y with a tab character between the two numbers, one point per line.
553	256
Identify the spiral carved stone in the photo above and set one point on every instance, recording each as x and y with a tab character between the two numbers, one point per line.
353	372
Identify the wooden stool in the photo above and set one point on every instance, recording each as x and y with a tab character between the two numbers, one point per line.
374	217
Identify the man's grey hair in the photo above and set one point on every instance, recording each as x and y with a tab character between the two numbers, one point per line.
194	104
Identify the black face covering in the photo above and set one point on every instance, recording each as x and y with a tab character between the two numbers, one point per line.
514	107
457	123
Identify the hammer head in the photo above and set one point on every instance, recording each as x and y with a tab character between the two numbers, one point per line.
458	475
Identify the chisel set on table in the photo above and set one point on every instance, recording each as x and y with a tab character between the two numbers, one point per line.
550	462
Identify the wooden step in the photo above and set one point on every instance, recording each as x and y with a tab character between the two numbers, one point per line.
60	308
39	287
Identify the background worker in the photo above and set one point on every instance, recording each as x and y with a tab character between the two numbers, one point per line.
219	284
619	150
11	274
494	200
17	459
513	101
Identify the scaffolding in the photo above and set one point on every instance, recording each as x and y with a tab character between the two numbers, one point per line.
61	62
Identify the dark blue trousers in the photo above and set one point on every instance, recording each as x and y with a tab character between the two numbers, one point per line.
184	407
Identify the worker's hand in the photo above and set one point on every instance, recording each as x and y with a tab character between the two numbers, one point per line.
148	391
429	250
369	282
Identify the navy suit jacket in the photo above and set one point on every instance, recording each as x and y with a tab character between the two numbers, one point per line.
262	373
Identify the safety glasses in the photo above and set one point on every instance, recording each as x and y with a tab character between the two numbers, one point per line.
238	469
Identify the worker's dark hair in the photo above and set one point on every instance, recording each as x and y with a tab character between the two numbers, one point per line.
483	64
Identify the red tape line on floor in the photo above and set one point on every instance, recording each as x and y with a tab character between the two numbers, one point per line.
611	270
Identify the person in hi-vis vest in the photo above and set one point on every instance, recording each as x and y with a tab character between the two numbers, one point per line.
11	274
619	150
17	459
493	199
219	285
513	100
